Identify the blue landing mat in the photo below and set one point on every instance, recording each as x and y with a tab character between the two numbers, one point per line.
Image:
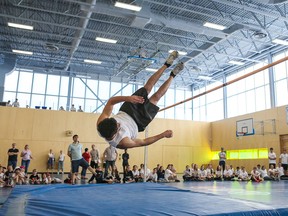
127	199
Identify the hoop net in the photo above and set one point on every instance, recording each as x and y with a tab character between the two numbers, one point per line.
240	135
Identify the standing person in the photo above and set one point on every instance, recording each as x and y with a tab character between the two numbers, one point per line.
13	156
110	155
51	160
8	104
75	153
61	162
26	155
272	158
80	109
95	157
136	112
222	158
15	103
125	163
73	109
86	155
284	160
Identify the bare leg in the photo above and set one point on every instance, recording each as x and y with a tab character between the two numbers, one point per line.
161	91
154	78
73	178
91	170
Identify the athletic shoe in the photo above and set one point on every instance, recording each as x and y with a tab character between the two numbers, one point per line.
179	67
171	58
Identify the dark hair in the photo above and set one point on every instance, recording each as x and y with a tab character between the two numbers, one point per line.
75	136
107	128
86	149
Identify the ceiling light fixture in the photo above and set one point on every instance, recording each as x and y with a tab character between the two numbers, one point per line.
22	52
128	6
179	52
236	62
16	25
279	41
92	61
214	26
204	77
106	40
83	76
151	69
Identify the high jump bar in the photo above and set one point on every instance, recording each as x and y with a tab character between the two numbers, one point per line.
227	83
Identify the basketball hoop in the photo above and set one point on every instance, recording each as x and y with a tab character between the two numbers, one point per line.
240	135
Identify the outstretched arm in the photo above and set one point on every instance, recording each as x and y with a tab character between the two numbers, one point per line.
118	99
129	143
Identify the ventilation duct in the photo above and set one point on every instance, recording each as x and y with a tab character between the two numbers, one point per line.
272	2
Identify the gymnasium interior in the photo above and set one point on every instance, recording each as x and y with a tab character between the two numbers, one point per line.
231	94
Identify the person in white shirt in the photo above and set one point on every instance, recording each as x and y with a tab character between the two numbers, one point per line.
8	104
218	173
255	175
51	160
142	170
284	160
136	112
61	162
26	155
222	159
15	103
187	174
202	173
264	174
135	172
272	158
73	109
243	175
273	172
210	172
169	175
280	171
152	177
228	173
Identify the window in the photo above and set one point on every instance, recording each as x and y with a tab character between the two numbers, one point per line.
39	84
53	84
11	80
25	82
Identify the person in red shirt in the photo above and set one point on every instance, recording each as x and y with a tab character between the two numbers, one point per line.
86	155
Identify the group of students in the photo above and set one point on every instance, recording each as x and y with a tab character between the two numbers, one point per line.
158	174
17	176
258	173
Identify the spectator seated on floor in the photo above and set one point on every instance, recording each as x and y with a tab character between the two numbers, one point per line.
128	176
264	174
161	174
237	172
210	173
100	177
34	178
228	173
152	177
255	175
45	179
135	172
169	175
2	182
142	173
273	172
202	173
280	170
243	175
9	177
187	174
116	177
18	177
218	173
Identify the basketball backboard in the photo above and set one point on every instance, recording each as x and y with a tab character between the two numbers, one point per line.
245	127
